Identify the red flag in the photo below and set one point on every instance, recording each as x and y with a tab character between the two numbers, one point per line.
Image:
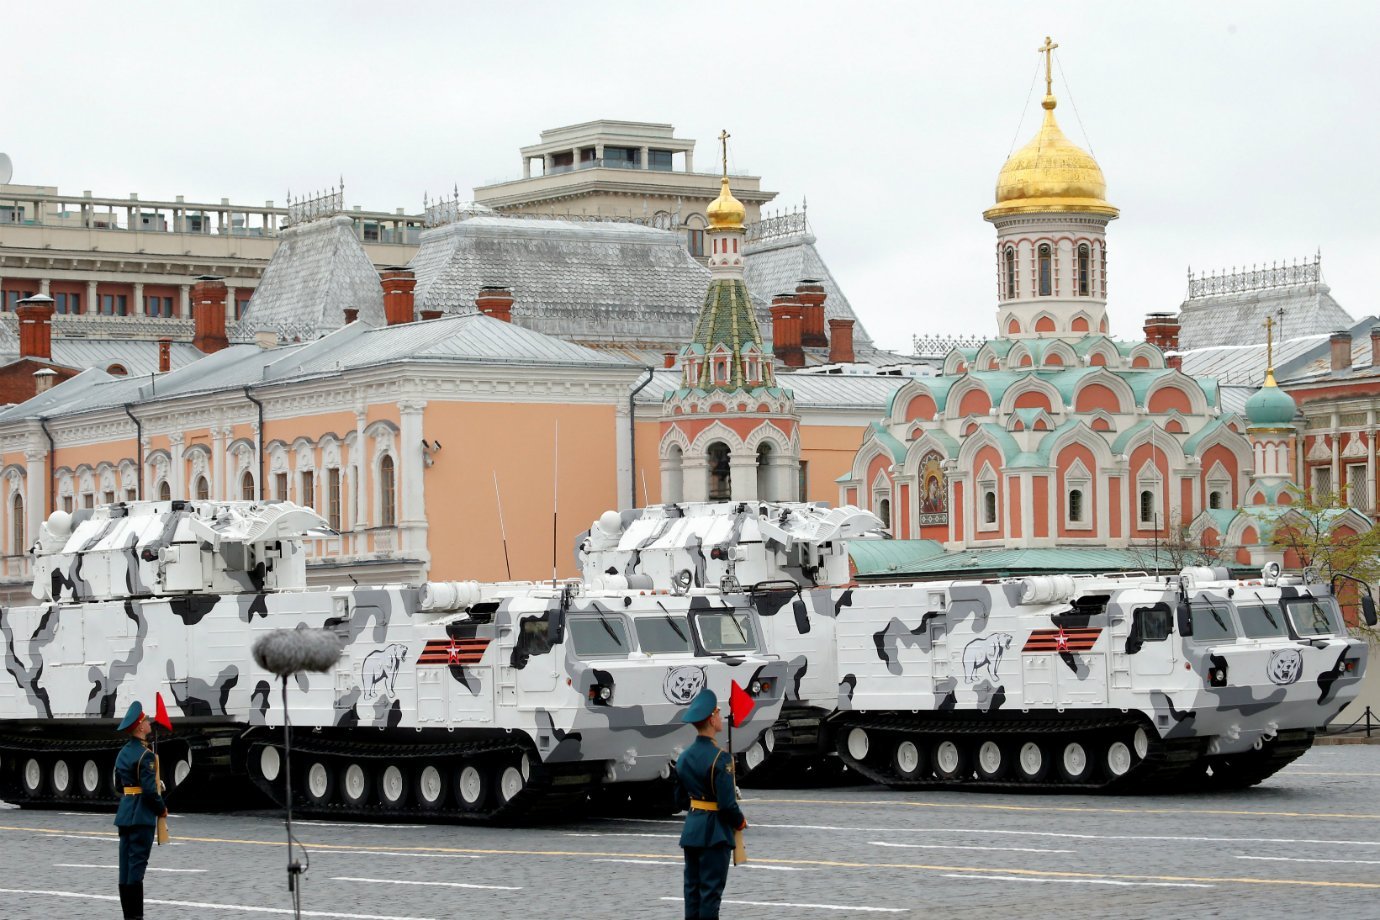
740	704
161	712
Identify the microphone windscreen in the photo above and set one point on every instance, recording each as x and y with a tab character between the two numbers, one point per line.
287	651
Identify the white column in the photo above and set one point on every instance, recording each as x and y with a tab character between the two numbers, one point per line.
412	513
695	479
91	305
35	494
137	308
43	286
1370	459
743	471
177	473
1028	508
785	475
184	301
218	489
359	463
622	444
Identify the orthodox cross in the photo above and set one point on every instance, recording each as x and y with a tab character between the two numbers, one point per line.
1269	343
1048	51
723	144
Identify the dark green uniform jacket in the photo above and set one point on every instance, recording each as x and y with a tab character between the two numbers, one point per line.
134	767
695	766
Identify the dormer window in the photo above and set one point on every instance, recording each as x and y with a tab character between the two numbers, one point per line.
720	369
754	367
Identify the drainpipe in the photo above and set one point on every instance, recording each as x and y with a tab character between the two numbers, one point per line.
139	447
632	433
52	467
258	448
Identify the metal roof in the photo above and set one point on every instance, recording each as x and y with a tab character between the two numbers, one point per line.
1239	317
776	265
918	559
815	391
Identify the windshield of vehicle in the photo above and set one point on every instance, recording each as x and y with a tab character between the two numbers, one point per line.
1314	616
599	637
1261	621
1212	622
663	634
726	632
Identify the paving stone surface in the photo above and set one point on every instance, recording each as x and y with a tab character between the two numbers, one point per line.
1306	841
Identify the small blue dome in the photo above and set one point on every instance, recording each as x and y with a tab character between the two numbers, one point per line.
1271	407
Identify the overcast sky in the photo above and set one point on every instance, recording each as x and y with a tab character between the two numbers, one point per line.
1229	133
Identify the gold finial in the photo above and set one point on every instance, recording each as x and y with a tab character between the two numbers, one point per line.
1047	49
723	146
1270	351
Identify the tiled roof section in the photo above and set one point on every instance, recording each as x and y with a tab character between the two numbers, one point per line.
728	320
776	265
1239	318
135	356
1317	361
811	391
1244	365
319	270
605	283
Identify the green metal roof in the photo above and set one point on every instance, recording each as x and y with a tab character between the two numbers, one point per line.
876	557
922	562
889	441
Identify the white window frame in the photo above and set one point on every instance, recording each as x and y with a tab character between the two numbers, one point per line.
988	484
1077	477
1149	480
1364	504
1322	493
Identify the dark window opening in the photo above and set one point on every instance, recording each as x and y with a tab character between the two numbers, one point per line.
1046	272
720	475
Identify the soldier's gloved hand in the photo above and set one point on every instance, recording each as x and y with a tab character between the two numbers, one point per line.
164	814
743	826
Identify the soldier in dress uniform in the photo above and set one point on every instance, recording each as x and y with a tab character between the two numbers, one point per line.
141	805
707	790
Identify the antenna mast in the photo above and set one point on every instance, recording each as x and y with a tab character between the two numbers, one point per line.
502	529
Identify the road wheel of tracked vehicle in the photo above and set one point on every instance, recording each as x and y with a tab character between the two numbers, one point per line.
354	784
1118	759
908	760
1140	741
992	761
512	779
392	786
1031	762
471	787
431	788
270	763
61	777
951	760
754	756
181	769
31	774
319	783
1075	766
857	744
90	778
769	740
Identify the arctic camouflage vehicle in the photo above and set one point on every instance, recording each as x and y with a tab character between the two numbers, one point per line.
451	699
1053	682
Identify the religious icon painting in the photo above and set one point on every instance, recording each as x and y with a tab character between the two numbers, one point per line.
934	490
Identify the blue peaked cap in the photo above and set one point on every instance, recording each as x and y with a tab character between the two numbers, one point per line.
132	716
701	707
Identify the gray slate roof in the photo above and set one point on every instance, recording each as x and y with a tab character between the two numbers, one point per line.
813	391
1239	318
776	265
134	355
1245	364
604	283
318	270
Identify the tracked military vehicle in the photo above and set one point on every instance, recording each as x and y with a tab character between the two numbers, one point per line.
451	699
1050	682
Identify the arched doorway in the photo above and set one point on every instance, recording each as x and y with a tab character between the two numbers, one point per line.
765	491
720	474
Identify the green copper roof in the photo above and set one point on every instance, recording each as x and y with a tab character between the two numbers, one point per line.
727	319
901	559
1271	407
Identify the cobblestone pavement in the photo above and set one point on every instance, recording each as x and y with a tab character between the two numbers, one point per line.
1306	840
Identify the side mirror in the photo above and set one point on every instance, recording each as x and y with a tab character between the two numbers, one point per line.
1185	618
1368	609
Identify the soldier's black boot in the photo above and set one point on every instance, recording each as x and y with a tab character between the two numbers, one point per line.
136	902
124	900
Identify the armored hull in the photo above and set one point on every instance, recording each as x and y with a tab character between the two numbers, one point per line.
453	700
1054	682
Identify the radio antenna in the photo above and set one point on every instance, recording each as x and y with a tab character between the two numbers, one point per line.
555	498
502	529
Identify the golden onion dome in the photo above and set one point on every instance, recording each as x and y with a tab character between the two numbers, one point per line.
1050	173
726	212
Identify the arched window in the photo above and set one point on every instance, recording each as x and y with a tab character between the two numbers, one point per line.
989	507
884	512
1046	271
1076	506
116	370
17	524
1102	277
694	241
1147	507
164	491
1214	500
388	506
765	492
333	497
1084	258
247	486
203	488
720	476
1010	272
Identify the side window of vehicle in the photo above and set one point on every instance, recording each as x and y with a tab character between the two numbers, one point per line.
1152	624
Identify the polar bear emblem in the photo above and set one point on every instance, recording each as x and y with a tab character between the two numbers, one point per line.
984	654
381	667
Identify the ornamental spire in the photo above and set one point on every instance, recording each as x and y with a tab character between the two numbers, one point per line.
1047	49
1270	351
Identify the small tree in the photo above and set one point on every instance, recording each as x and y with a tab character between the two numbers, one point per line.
1322	534
1175	550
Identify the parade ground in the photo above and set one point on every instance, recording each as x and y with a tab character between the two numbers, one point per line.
1308	838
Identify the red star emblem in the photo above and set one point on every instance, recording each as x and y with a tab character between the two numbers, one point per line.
453	653
1061	640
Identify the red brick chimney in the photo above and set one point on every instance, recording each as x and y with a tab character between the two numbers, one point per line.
36	327
1375	345
786	323
668	359
351	314
1162	331
164	355
840	341
810	294
208	314
398	285
1341	351
497	301
432	314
